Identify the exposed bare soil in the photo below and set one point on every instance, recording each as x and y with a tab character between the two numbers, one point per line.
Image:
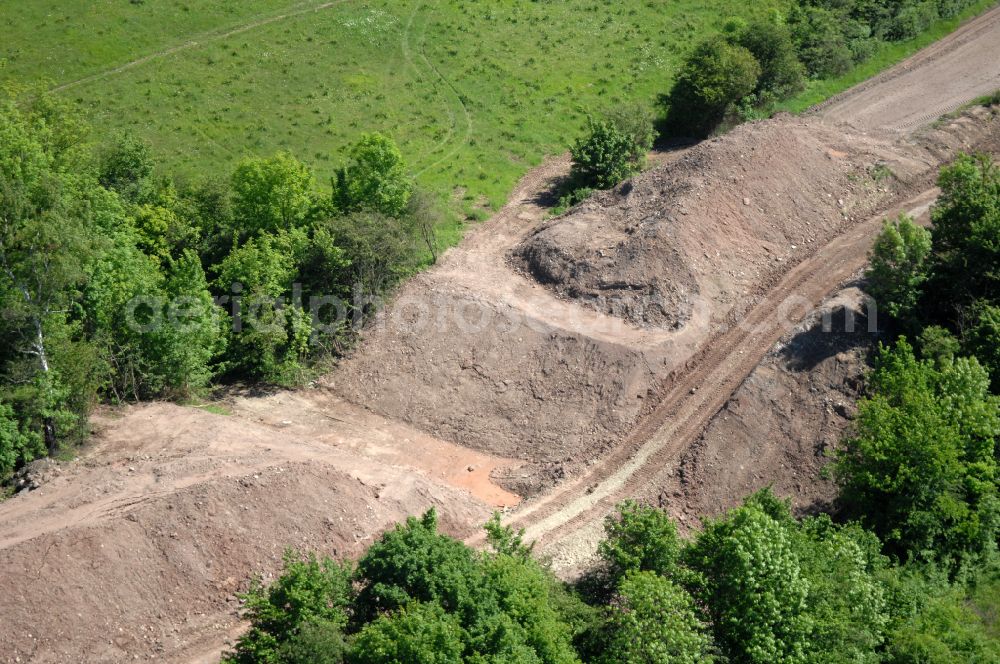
634	370
567	520
478	352
935	81
136	549
787	417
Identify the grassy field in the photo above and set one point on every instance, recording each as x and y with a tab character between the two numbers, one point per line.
475	91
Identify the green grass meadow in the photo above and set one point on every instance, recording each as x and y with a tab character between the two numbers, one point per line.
476	91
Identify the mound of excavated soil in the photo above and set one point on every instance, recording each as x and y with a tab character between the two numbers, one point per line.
136	551
723	220
628	268
557	374
781	425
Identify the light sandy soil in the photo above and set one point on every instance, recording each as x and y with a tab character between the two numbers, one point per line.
504	386
935	81
136	549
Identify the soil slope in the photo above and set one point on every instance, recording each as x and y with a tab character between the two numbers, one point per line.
558	372
135	550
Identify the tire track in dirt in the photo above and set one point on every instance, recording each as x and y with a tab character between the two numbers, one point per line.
936	80
458	97
710	380
696	393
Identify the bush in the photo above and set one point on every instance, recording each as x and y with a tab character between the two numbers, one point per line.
753	586
932	621
305	606
713	78
602	158
640	539
939	345
822	45
781	75
636	122
966	225
374	179
912	19
16	447
899	267
982	338
315	642
271	194
653	620
125	166
418	632
921	468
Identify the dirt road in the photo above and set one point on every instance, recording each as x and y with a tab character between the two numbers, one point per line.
699	393
175	507
937	80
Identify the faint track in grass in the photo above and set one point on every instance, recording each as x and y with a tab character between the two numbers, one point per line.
198	40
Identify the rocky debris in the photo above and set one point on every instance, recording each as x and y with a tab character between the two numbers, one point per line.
729	216
780	427
36	474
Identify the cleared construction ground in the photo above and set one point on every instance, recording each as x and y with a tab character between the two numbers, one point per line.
562	365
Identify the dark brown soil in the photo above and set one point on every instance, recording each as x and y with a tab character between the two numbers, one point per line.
781	426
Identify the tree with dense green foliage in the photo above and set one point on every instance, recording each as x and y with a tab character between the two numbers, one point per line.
847	604
417	632
413	562
781	73
899	267
271	194
966	234
822	44
192	335
982	338
716	75
754	587
651	620
379	250
44	247
165	229
921	469
125	166
315	641
16	447
421	597
374	178
123	302
932	620
502	601
939	345
639	538
271	332
311	594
